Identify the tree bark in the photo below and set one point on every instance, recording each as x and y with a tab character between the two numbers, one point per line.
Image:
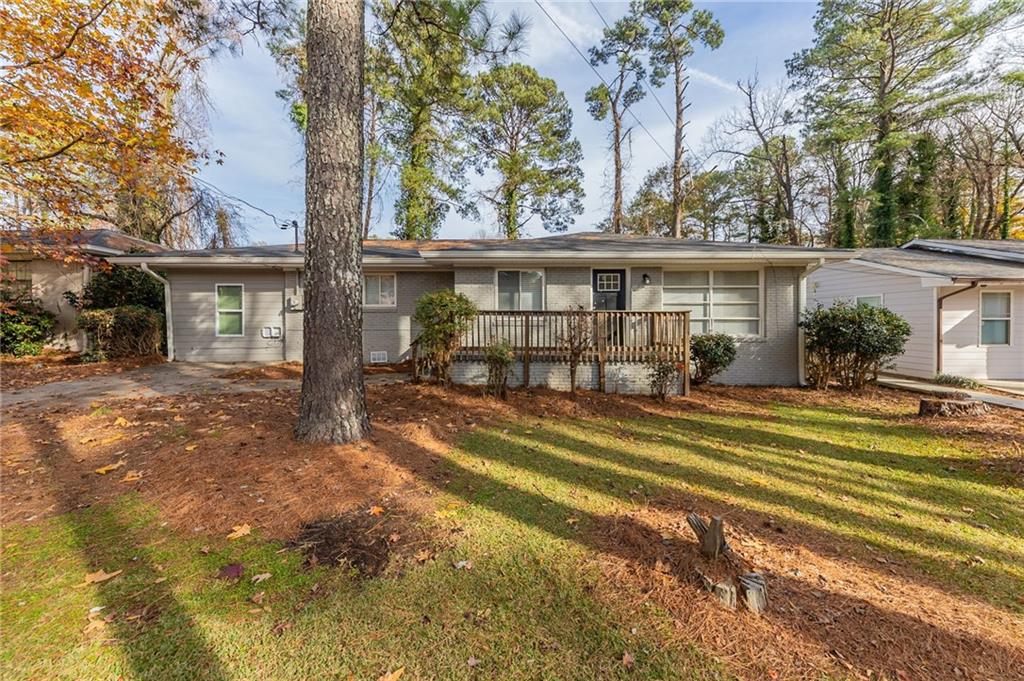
677	160
332	406
617	152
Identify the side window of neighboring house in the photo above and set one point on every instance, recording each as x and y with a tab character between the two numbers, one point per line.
379	290
520	290
17	277
873	301
230	310
995	317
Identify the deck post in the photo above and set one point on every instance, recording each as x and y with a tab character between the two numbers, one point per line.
526	350
686	354
601	323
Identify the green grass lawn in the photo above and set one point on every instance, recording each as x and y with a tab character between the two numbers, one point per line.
522	503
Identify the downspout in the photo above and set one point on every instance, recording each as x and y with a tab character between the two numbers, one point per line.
167	309
938	322
801	304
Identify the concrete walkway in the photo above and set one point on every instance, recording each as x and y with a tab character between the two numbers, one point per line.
157	380
932	388
1007	386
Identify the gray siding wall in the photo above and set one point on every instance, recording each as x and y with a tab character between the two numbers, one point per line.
645	296
477	284
567	287
392	329
194	315
293	316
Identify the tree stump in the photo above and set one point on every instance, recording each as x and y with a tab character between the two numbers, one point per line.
711	538
946	407
755	592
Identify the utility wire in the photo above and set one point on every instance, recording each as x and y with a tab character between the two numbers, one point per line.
601	78
242	201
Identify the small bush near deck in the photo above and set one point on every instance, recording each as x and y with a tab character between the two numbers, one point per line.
663	374
712	353
849	344
25	327
499	357
958	381
444	316
126	331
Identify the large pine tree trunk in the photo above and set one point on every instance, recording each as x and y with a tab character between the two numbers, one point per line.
617	153
333	405
677	160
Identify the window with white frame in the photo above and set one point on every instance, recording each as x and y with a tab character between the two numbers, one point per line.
379	290
872	301
995	317
608	281
17	276
520	290
719	301
230	310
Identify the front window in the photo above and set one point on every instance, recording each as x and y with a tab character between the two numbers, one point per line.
520	290
870	301
719	301
17	277
995	318
230	311
379	290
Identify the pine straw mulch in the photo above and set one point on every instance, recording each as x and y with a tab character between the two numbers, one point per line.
18	373
289	370
210	462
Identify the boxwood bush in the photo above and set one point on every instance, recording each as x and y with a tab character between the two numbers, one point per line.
25	327
849	344
711	353
125	331
444	316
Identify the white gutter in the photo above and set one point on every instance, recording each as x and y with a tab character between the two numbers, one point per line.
251	261
167	309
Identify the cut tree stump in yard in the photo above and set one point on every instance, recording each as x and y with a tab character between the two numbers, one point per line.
951	407
712	539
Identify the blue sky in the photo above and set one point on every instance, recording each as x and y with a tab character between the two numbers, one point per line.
263	154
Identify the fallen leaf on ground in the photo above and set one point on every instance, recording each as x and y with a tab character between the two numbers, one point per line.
257	598
132	476
376	510
463	565
86	440
103	470
423	555
124	423
262	577
101	576
239	531
231	571
472	662
628	661
191	448
392	676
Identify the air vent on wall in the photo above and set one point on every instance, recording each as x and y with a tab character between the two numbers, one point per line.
378	357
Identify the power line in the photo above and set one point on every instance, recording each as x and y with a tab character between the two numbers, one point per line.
601	78
242	201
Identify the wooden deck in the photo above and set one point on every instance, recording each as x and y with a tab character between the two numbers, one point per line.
627	336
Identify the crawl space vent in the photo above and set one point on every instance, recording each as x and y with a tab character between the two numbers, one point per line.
379	357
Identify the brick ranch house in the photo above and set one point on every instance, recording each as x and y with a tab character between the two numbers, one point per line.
245	304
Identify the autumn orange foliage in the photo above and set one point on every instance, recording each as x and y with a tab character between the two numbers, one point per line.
86	108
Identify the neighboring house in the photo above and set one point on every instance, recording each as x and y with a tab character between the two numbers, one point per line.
245	304
964	301
28	268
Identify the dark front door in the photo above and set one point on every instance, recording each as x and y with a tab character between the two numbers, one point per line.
609	289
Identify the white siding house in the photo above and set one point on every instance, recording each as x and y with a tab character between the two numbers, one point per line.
977	287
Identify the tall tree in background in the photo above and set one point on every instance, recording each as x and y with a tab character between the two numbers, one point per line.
521	127
622	45
880	69
675	27
332	406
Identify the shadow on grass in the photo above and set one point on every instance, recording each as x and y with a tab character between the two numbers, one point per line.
918	640
159	637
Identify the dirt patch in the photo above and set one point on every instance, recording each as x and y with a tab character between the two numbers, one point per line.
293	370
271	372
17	373
366	539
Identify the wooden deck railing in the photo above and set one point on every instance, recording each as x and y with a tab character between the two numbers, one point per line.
627	336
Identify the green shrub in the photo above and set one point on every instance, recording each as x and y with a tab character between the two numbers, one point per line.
711	353
958	381
119	286
663	375
849	344
444	317
126	331
499	358
25	327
